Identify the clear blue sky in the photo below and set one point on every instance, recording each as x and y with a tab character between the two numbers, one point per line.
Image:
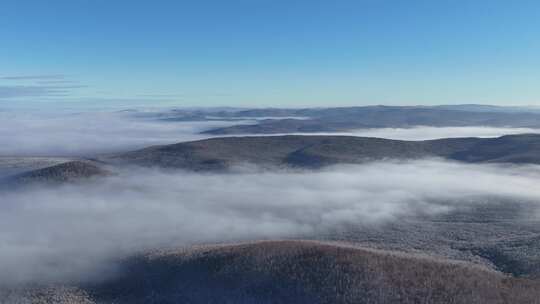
269	52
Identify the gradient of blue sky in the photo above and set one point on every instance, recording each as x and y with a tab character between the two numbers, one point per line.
270	52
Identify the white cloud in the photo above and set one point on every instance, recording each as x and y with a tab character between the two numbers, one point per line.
73	231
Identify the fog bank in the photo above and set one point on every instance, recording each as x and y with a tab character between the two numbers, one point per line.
73	232
88	133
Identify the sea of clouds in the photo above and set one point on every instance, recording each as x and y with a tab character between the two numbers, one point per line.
77	231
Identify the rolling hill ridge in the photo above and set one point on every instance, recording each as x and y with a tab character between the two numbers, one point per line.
320	151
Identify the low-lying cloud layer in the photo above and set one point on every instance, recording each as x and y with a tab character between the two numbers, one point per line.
68	133
75	231
427	133
87	133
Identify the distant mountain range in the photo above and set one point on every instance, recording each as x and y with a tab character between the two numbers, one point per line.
350	118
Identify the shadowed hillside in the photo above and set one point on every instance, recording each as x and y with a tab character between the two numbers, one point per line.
306	272
288	272
65	172
44	295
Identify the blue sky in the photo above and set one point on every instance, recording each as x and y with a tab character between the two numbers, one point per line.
269	52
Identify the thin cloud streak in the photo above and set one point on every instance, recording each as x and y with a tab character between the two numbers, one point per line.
34	77
18	91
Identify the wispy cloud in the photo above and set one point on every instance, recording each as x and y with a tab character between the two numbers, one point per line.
161	95
57	82
43	85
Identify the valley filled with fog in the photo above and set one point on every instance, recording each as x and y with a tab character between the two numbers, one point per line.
82	192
